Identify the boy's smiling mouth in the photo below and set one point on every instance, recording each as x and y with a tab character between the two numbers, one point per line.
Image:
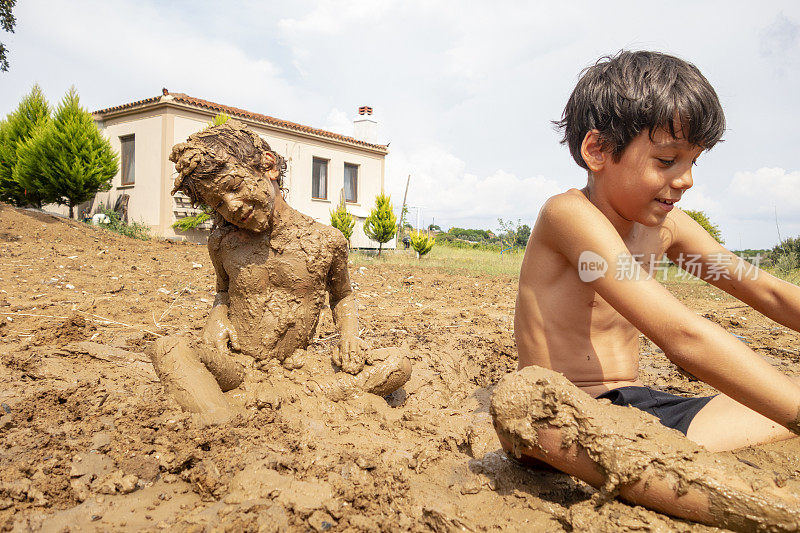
667	203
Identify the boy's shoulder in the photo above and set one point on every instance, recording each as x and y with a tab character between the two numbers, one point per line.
564	203
567	212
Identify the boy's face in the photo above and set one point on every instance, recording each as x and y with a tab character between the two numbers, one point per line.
245	201
649	177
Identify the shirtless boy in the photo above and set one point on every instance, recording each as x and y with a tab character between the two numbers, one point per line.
637	123
274	266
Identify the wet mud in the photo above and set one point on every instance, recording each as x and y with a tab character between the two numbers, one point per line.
629	446
92	441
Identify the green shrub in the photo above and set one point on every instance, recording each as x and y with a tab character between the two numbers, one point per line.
343	221
135	230
421	242
381	223
191	222
786	255
218	120
702	219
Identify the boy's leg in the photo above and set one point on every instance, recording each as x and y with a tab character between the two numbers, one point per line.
725	424
538	413
186	378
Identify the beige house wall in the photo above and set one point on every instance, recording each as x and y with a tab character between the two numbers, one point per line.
157	130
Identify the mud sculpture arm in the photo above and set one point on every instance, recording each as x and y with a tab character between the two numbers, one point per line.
218	329
351	351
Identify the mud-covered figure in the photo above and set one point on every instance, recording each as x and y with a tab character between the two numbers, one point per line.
274	266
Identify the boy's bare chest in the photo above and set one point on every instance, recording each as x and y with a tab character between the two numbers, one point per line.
647	247
254	264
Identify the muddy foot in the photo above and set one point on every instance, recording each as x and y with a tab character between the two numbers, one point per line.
390	370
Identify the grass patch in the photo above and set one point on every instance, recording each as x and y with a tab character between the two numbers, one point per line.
490	263
134	230
449	259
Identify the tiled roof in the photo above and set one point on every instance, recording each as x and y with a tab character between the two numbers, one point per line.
237	112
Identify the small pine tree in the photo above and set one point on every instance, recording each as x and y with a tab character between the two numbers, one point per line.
218	120
343	221
422	243
702	219
16	130
74	160
381	223
191	222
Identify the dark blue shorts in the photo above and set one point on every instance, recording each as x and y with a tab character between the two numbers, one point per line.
673	411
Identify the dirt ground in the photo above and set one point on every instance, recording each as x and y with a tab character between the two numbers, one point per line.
89	440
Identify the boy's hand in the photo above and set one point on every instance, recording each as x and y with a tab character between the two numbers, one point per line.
219	331
350	354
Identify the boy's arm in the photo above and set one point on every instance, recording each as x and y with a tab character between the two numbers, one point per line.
765	293
218	329
351	351
572	225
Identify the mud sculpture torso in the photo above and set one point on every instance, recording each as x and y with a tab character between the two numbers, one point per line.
277	283
273	266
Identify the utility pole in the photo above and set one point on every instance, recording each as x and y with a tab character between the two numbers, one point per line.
403	209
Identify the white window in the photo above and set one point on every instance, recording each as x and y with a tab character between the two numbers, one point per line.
319	179
350	182
128	163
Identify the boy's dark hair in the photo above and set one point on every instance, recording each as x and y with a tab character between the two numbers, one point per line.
632	92
206	154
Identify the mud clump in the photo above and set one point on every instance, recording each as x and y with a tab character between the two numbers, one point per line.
630	446
73	328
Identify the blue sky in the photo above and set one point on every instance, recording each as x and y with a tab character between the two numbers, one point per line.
463	91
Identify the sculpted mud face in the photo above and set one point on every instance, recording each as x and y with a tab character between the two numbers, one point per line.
245	202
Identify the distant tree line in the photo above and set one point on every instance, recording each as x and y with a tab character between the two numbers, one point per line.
59	157
511	235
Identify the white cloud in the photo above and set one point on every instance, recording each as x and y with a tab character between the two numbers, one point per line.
442	186
132	44
762	193
338	122
332	17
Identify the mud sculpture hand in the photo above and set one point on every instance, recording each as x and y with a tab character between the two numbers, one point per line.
219	331
350	354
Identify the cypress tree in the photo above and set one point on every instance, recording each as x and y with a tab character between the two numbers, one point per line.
15	131
343	221
422	243
381	223
74	160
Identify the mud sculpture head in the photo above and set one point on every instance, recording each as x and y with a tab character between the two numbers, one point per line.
232	170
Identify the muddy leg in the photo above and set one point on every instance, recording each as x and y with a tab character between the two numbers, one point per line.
390	370
187	379
226	370
622	451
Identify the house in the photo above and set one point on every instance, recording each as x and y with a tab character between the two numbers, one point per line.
321	165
